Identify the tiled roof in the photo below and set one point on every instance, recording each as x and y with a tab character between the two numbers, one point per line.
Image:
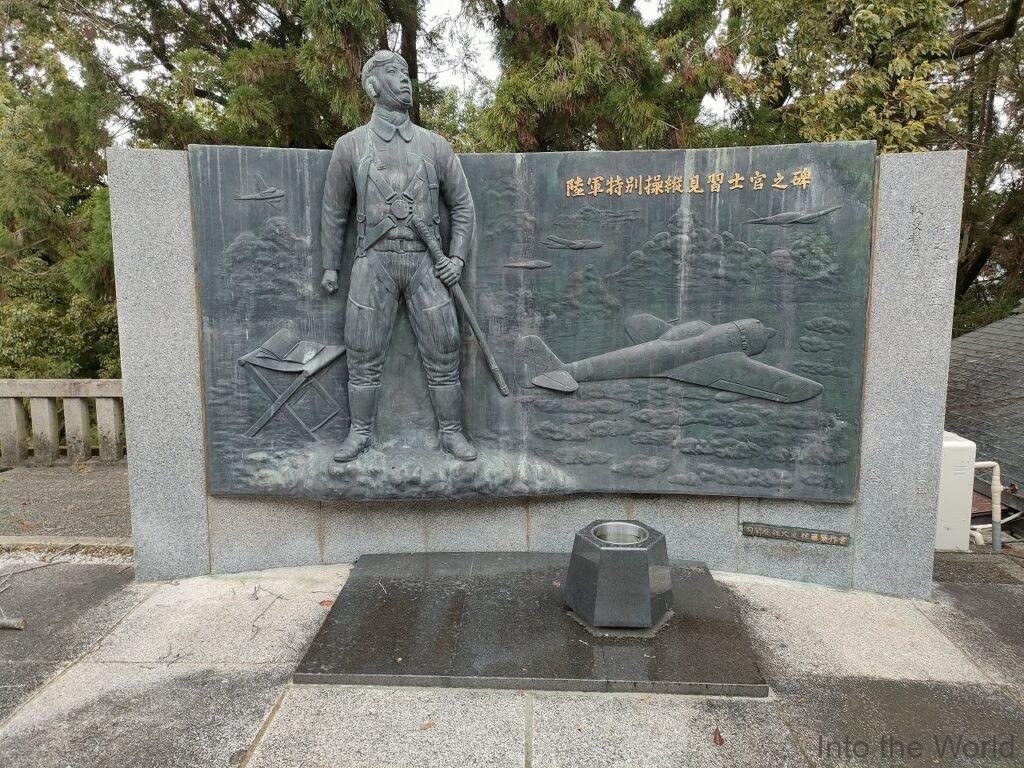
985	399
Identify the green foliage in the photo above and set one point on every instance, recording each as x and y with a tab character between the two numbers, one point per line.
986	303
989	122
57	316
51	331
575	75
88	260
582	74
456	116
848	70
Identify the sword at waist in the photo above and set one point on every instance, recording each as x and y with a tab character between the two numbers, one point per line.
434	248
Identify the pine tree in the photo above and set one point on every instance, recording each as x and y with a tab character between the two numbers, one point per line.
575	75
56	281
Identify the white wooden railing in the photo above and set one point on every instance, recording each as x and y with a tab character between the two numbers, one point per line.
56	409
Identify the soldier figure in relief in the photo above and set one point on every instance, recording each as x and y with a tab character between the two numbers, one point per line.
397	170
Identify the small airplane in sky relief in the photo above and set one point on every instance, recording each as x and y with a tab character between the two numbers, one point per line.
555	241
716	356
264	193
789	218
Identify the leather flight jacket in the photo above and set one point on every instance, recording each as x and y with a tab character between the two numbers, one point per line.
400	207
419	167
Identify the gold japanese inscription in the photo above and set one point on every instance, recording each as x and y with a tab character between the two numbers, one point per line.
677	184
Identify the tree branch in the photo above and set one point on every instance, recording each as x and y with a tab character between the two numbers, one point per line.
502	21
1006	215
989	31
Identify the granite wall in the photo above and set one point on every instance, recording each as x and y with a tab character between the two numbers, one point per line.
179	530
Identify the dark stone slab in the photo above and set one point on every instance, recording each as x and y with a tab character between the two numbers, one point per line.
68	607
831	717
561	274
497	620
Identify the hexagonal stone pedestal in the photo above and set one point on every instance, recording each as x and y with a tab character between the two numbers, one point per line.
619	575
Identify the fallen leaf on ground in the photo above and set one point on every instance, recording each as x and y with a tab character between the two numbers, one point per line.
326	603
718	738
426	726
645	698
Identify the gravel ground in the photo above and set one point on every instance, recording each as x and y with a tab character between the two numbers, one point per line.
89	499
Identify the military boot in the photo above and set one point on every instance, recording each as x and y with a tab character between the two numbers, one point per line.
447	402
362	403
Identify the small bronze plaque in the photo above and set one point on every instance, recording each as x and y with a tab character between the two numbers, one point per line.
789	533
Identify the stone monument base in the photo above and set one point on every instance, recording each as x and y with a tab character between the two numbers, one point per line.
498	620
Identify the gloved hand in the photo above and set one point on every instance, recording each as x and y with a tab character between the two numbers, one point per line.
330	281
449	270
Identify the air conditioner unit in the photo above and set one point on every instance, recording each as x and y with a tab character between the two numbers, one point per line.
956	491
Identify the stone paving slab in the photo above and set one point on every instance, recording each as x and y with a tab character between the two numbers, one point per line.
89	499
187	673
841	721
254	618
142	716
654	730
987	622
801	629
68	607
339	726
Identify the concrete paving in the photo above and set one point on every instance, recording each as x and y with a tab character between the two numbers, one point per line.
851	721
627	730
822	631
195	673
258	618
145	716
68	607
341	726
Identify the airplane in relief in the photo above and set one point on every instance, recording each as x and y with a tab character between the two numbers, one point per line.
716	356
264	193
554	241
789	218
528	264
